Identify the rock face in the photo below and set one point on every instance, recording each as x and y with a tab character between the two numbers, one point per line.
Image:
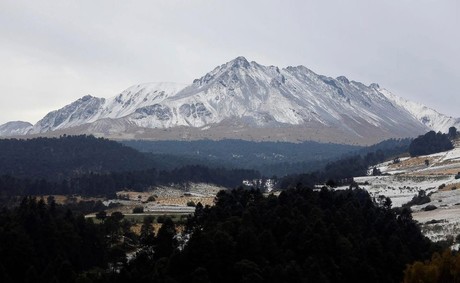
242	99
82	110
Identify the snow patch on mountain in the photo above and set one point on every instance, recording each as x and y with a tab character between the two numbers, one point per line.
89	109
427	116
15	128
74	114
242	94
137	97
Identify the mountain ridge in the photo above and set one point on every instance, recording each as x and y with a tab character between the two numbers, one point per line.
243	97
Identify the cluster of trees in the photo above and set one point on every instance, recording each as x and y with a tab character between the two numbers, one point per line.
106	184
95	166
68	156
46	243
453	134
443	267
300	236
430	143
419	199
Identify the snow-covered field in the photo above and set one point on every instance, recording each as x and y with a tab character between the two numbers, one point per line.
404	180
401	189
168	199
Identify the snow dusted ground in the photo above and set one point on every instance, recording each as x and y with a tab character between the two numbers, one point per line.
401	189
404	180
168	199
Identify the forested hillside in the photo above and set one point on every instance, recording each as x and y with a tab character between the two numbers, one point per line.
107	184
93	166
97	167
48	243
269	158
344	169
67	156
300	236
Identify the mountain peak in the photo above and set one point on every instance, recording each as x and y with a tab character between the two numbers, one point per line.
87	97
242	95
14	128
239	61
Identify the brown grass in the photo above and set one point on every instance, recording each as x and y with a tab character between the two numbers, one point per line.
184	200
63	199
175	199
450	187
136	228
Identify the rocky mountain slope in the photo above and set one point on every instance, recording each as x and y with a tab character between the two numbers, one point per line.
242	99
15	128
427	116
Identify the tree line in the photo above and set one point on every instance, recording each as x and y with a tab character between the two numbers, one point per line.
300	236
96	167
106	184
432	142
46	243
68	156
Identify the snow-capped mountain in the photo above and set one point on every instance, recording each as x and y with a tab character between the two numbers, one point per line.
15	128
89	109
242	99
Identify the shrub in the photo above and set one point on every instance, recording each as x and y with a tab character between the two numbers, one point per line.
161	219
138	209
331	183
430	207
376	172
419	199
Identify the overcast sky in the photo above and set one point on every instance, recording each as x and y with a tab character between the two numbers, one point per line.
54	52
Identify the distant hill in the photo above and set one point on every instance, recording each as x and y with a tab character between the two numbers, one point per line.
97	166
270	158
